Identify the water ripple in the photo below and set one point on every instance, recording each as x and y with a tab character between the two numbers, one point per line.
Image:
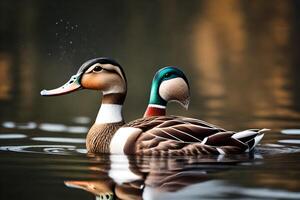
289	141
276	149
291	131
12	136
28	125
60	139
82	120
53	127
42	149
77	129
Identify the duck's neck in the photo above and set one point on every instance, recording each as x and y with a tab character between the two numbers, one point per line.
111	109
156	105
109	113
155	110
108	121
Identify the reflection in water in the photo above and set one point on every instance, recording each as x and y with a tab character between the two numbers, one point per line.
154	178
41	149
135	177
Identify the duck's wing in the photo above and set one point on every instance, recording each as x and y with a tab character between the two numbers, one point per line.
174	128
181	136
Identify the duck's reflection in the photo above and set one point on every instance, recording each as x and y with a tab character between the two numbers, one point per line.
123	177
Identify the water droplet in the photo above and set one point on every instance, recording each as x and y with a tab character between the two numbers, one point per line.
71	42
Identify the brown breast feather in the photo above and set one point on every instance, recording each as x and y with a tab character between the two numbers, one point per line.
99	137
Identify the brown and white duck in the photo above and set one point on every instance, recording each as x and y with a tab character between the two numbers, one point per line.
150	135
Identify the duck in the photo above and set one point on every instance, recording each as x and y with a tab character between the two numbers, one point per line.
169	84
155	134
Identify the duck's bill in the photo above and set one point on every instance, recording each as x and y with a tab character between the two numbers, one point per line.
72	85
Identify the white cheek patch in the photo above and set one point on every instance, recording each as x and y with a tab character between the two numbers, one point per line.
175	89
120	138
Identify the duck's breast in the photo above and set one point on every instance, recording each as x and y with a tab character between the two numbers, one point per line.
123	141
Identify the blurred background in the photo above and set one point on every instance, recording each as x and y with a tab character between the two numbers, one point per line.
241	57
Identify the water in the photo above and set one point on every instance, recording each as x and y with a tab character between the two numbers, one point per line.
241	59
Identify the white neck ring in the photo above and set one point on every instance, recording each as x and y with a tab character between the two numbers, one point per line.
157	106
109	113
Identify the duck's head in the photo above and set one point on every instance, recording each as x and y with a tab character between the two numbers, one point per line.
170	84
103	74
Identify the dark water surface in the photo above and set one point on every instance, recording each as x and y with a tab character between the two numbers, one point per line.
241	58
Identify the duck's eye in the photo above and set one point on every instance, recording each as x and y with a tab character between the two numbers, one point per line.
97	69
167	75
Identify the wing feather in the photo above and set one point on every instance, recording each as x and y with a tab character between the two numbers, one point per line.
175	135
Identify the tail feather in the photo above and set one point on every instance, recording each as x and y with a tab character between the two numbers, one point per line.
251	137
245	136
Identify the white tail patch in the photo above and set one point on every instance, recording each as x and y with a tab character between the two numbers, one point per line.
244	134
